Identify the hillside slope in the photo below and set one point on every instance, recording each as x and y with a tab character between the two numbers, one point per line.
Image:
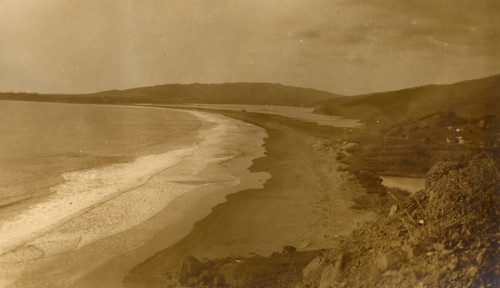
443	236
468	99
229	93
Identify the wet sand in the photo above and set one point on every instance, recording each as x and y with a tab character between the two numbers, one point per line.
178	218
306	204
177	197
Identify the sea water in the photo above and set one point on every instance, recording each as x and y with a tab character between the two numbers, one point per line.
64	159
42	143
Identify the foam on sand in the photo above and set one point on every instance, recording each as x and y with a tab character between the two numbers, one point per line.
82	191
98	203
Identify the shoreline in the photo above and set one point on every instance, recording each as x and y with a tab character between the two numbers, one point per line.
307	203
178	218
65	267
95	159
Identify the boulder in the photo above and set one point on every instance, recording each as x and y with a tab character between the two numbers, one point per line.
190	268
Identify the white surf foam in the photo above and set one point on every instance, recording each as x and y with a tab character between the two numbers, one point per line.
80	192
97	203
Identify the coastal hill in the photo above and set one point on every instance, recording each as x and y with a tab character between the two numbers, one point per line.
228	93
468	99
412	129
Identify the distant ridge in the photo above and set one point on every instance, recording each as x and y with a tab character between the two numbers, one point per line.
228	93
469	99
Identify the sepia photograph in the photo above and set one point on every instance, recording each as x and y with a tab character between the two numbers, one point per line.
249	143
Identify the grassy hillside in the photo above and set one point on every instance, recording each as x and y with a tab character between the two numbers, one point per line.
229	93
410	130
468	99
409	148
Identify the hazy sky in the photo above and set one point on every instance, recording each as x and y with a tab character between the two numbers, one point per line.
342	46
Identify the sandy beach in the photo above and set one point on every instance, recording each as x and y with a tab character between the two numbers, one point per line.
255	183
102	226
306	203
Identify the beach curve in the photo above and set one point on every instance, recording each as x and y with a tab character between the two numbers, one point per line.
221	143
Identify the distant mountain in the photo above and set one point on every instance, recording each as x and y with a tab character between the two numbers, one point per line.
229	93
468	99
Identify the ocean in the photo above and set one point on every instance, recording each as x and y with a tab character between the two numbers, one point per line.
40	142
74	179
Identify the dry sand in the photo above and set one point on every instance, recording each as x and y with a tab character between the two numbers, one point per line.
306	204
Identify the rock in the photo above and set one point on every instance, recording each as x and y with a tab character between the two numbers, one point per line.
313	269
190	268
349	146
288	250
328	277
333	273
393	210
219	280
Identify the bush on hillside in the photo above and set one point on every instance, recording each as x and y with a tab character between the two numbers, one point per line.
444	236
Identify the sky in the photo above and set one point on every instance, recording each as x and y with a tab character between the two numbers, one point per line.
343	46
